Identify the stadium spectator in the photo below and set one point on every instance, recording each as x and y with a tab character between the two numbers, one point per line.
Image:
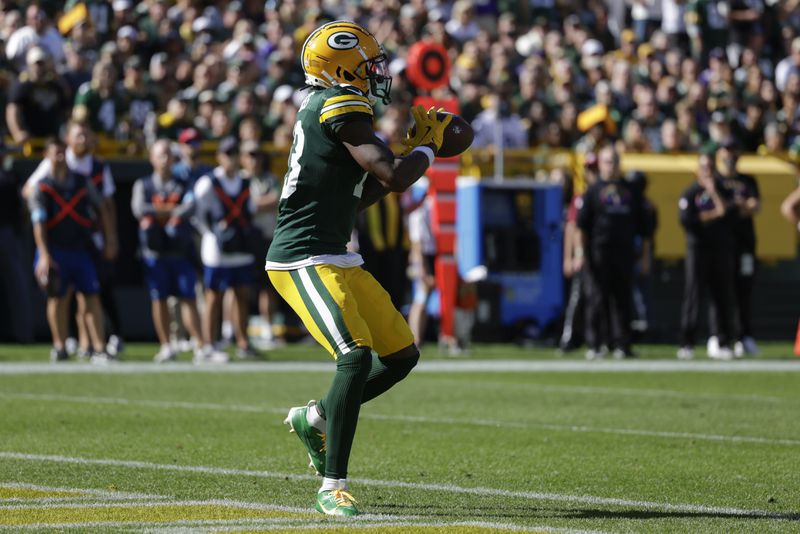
610	217
64	207
706	215
225	211
37	32
139	103
498	126
746	204
98	103
189	168
38	102
163	206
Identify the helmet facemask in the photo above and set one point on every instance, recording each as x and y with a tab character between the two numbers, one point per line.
376	72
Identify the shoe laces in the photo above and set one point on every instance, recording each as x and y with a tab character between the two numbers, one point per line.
324	437
343	498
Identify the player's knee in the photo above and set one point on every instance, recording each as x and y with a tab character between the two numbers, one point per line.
401	363
357	361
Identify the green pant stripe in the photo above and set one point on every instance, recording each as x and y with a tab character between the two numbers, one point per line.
312	309
333	306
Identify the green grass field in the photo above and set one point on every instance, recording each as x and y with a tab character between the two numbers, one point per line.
505	439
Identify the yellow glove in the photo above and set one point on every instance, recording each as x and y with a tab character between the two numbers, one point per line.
428	129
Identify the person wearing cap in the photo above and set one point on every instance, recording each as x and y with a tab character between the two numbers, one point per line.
163	206
98	103
78	69
266	189
610	217
189	168
746	197
139	101
63	231
706	212
225	209
37	102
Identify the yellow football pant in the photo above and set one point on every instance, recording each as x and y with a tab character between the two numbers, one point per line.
343	308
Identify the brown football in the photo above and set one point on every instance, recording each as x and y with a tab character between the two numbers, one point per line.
458	136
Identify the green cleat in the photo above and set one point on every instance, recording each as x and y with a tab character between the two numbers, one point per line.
312	438
336	502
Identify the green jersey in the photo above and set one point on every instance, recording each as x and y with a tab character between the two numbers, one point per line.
322	188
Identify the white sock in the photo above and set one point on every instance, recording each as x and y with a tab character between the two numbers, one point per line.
329	484
343	484
166	347
314	418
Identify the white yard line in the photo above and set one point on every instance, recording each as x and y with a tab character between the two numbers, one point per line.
535	387
444	488
491	423
323	523
164	503
425	366
85	493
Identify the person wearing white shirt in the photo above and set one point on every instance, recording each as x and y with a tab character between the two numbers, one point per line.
37	31
422	258
224	218
497	126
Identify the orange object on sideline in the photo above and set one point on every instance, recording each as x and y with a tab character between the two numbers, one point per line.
797	341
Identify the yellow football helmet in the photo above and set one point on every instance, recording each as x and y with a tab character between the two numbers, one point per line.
344	53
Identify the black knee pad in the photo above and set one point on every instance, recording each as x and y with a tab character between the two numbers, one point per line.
400	367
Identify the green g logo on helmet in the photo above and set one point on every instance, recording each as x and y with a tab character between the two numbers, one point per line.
343	40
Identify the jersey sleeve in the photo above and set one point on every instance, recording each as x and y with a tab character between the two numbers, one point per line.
343	107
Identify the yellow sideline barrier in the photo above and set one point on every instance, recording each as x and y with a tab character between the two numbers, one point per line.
668	176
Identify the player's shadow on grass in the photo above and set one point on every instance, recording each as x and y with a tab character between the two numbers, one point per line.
656	514
531	512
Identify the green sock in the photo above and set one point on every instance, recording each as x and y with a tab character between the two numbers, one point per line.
341	406
385	373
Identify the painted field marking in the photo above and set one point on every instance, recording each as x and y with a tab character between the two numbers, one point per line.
365	521
613	391
444	488
491	423
11	492
425	366
322	525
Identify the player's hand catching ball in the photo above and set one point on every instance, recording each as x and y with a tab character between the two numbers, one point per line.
428	128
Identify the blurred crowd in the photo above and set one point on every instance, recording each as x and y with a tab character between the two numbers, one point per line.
657	75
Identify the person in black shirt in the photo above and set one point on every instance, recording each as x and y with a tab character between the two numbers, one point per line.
644	256
706	213
746	204
37	102
610	217
16	318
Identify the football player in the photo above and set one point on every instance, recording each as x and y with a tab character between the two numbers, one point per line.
337	166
